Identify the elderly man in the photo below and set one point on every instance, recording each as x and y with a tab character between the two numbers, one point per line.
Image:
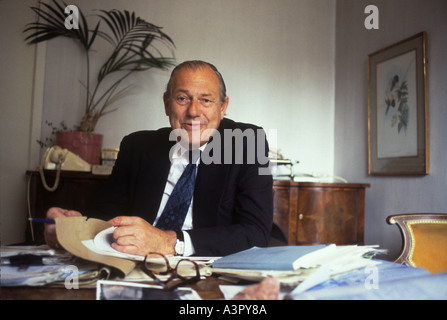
231	208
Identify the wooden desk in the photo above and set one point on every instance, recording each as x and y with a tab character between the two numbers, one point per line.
208	289
46	293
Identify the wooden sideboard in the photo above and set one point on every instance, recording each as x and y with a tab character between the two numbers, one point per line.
311	213
75	191
306	213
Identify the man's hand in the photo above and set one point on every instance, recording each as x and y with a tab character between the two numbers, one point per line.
50	229
135	235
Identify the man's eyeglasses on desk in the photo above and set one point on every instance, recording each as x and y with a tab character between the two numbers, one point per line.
185	272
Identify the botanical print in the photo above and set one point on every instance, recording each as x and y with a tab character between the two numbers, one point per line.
397	96
396	107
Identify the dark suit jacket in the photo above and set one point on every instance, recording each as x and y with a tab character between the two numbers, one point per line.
233	203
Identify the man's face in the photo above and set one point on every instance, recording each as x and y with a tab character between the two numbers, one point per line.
194	104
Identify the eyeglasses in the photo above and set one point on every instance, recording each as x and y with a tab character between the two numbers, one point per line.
185	272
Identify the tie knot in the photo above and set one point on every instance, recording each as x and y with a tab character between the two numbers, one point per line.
193	155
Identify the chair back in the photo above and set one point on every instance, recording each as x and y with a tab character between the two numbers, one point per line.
424	240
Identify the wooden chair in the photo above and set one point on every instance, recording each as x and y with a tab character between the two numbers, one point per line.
424	240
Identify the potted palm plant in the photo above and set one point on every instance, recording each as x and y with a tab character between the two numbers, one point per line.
133	49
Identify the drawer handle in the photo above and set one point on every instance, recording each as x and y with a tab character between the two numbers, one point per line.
301	216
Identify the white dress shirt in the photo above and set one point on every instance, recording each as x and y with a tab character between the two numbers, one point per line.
178	165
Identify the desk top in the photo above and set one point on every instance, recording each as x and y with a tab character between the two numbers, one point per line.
208	289
394	282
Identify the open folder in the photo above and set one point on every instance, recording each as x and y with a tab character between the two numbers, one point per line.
90	239
72	231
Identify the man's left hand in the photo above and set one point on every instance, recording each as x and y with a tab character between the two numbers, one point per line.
135	235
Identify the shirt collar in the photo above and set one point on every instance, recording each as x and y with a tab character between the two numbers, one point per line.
179	152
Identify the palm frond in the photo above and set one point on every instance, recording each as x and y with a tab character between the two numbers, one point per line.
51	24
134	35
132	38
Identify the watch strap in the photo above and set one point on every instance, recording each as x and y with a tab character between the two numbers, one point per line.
179	247
180	236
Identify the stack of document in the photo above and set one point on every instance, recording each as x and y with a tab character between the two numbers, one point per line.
41	265
294	264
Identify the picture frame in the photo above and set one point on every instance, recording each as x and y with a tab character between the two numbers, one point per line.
398	109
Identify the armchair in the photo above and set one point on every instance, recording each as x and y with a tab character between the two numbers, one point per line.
424	240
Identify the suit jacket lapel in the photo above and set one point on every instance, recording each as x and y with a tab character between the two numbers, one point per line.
211	183
156	173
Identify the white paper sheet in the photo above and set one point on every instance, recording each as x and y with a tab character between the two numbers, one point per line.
102	244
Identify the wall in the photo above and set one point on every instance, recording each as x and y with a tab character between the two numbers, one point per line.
398	20
277	58
17	65
279	71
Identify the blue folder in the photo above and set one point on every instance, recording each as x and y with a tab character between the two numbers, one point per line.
271	258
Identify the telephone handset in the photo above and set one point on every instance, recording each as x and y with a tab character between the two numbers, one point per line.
56	158
68	160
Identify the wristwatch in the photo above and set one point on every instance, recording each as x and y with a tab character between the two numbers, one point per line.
179	247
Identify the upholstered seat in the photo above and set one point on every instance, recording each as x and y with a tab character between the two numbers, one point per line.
424	240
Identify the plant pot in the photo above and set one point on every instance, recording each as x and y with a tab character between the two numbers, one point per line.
86	145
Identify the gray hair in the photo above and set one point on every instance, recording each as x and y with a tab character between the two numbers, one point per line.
194	65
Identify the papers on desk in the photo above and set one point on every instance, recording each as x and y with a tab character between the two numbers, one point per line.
393	282
8	251
27	265
275	258
292	265
32	276
40	265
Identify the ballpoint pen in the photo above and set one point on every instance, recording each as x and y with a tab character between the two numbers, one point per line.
49	221
35	259
22	260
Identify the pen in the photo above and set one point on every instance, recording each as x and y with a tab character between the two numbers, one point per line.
50	221
23	260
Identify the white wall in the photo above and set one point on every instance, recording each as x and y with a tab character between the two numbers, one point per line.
16	100
277	58
398	20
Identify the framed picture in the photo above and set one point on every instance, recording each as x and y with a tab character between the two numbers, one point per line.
398	109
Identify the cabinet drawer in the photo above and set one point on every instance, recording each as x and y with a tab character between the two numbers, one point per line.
315	213
285	211
326	216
